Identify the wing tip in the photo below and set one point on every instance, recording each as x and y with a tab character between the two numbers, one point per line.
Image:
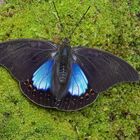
134	78
138	76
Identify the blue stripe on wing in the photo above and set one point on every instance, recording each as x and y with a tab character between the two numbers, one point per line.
78	82
43	75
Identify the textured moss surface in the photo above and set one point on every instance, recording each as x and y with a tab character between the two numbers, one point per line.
113	26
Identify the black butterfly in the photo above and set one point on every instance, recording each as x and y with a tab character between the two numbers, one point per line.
60	76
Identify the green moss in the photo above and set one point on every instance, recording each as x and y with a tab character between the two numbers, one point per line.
109	25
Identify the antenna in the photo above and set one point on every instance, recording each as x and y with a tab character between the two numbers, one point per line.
77	24
62	27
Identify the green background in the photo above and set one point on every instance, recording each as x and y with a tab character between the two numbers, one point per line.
111	25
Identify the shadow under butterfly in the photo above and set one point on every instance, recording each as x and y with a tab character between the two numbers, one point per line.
62	77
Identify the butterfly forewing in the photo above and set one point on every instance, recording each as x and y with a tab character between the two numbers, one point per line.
22	57
103	69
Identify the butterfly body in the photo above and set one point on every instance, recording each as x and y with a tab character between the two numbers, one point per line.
61	70
62	77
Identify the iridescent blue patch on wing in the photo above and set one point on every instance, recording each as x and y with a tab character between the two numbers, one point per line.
43	75
78	82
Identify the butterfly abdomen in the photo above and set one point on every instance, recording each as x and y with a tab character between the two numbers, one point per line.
63	72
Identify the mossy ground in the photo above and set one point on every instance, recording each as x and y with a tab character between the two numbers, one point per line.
113	26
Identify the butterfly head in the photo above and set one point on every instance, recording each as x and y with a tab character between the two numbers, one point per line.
65	49
65	41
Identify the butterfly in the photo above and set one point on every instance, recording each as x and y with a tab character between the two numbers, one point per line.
62	77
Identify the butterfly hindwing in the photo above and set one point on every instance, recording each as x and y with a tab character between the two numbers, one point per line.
43	75
103	69
47	100
22	57
79	93
78	81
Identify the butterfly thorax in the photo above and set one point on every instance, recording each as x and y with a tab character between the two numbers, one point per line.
64	59
61	70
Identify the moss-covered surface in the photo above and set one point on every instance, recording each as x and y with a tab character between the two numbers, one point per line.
109	25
